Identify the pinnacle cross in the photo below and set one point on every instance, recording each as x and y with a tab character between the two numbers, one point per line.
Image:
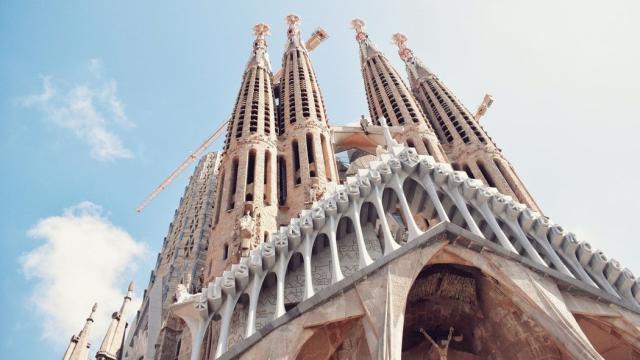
405	53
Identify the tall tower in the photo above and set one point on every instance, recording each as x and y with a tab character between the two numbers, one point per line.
467	144
112	345
246	205
306	161
181	261
78	348
388	97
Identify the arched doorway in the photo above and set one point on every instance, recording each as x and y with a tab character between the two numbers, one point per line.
460	306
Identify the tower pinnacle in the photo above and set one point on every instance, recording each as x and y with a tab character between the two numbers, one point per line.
78	348
111	347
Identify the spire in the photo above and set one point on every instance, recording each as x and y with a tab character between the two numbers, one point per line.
306	153
416	69
78	348
251	80
112	344
367	47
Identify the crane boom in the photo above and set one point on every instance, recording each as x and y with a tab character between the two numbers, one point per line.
191	158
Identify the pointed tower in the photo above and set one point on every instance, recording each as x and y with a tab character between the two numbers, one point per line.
246	204
388	97
468	146
111	348
78	348
306	161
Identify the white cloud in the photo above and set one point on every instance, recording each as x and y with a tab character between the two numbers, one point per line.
90	111
84	259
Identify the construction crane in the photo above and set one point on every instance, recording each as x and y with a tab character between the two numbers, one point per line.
482	109
317	37
195	154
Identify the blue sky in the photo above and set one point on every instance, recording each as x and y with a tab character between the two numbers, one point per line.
133	87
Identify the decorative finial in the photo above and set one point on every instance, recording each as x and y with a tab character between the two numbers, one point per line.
293	21
260	30
131	286
358	25
405	53
93	311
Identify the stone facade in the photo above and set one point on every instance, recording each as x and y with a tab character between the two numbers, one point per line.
181	261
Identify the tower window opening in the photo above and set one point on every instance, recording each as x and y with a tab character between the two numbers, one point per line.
282	180
267	177
296	161
410	143
225	252
485	174
310	157
219	199
251	176
467	169
232	184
